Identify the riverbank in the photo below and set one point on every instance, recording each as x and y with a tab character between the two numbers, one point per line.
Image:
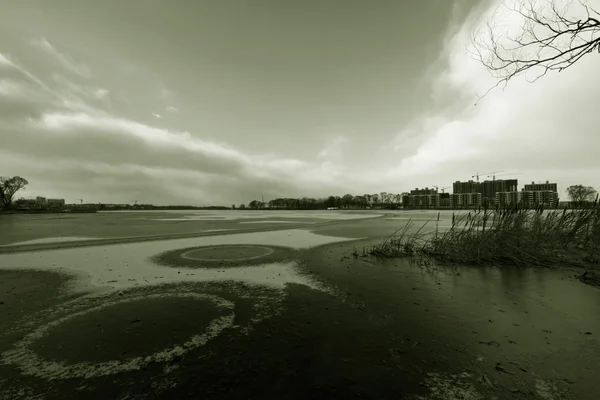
511	237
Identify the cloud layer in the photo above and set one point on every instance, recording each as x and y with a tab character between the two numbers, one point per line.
71	136
64	138
542	130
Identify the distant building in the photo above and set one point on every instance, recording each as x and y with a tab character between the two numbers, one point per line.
406	200
465	200
444	199
459	187
425	191
490	188
535	187
530	198
421	200
32	203
508	198
55	203
545	198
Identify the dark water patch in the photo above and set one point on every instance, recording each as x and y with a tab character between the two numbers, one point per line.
514	325
25	292
137	327
109	372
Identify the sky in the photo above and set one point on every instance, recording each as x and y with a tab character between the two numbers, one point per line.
222	102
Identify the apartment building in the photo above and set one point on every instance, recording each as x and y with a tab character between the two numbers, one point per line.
421	200
490	188
545	198
55	203
465	200
426	191
539	187
37	202
503	199
459	187
529	198
444	200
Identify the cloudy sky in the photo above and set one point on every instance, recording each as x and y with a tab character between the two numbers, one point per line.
221	102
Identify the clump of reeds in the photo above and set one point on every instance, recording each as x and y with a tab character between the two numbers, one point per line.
503	236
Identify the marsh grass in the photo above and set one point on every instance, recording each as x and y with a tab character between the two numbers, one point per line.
509	236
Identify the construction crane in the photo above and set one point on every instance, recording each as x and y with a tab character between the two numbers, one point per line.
437	188
497	176
490	173
80	201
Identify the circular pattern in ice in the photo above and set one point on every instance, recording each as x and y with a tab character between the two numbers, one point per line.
223	256
31	363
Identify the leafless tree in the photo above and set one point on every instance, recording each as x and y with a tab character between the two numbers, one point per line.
552	35
580	193
10	186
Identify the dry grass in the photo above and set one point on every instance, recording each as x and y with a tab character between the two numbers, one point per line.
510	236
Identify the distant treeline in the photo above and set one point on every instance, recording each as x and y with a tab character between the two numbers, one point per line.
121	207
381	200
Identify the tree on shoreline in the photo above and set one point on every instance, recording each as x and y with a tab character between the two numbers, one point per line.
9	187
551	38
580	193
348	201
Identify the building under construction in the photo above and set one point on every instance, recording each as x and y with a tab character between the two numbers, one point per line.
426	191
465	200
528	198
425	198
538	187
487	189
490	188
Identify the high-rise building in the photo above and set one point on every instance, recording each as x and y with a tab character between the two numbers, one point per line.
508	198
465	200
421	200
418	191
445	200
490	188
466	187
534	187
534	198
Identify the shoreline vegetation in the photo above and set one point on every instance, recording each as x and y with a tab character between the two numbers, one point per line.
512	236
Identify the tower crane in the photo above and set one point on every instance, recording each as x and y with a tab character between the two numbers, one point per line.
497	176
438	188
484	173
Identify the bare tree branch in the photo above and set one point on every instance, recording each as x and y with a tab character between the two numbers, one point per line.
549	39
